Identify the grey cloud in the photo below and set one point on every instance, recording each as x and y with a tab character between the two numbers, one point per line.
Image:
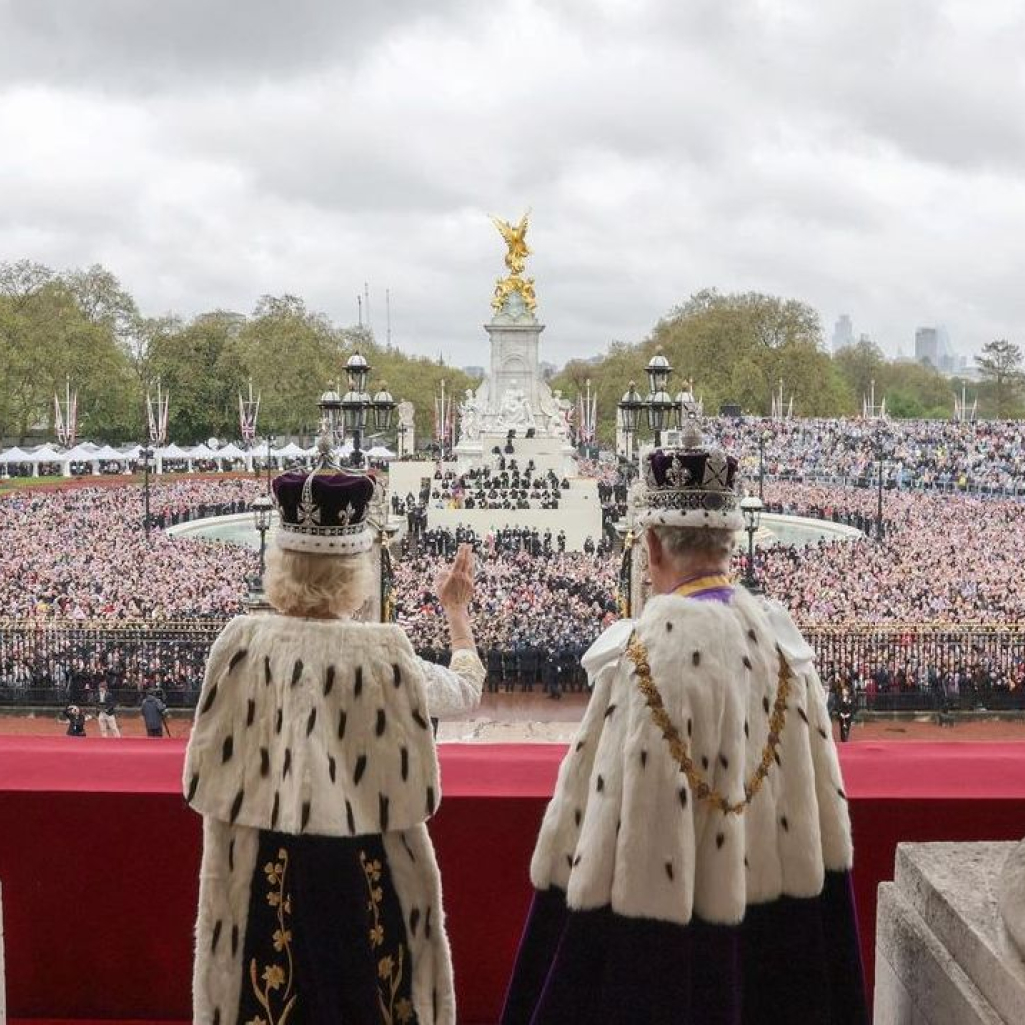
858	156
194	44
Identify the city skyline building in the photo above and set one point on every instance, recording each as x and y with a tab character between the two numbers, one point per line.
843	333
933	346
927	346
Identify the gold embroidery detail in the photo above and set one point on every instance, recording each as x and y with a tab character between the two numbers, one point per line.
638	654
276	977
393	1012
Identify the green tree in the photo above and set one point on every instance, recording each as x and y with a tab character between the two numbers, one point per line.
103	301
1000	367
916	391
291	354
859	365
198	370
45	337
734	347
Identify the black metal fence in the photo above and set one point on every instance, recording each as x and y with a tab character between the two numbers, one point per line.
924	666
917	667
56	662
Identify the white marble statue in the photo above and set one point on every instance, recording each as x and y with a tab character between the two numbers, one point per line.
469	418
557	425
515	410
407	413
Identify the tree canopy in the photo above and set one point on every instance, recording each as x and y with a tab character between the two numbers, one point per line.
737	349
1000	366
84	325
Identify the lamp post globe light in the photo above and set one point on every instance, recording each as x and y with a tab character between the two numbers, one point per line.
331	414
263	510
630	406
145	454
356	403
880	447
383	407
751	509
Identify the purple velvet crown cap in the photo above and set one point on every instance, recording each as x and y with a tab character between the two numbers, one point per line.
665	466
690	486
335	500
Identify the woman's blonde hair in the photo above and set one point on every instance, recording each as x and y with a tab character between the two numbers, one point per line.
305	583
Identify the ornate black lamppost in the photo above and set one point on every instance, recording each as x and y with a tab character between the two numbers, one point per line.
263	510
270	441
880	451
879	444
357	403
630	406
146	454
763	437
662	410
331	415
751	508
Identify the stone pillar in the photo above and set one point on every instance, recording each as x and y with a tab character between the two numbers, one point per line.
942	950
407	429
514	358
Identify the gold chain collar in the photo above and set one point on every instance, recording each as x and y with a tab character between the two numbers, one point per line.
638	654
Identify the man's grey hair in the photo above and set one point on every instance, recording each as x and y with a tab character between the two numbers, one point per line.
680	541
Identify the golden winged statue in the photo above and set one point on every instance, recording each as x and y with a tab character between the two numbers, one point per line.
515	259
516	240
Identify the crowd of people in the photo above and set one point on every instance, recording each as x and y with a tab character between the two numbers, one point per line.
950	559
537	606
79	553
507	486
930	455
78	556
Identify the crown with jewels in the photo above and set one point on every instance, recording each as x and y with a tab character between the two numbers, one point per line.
324	511
690	486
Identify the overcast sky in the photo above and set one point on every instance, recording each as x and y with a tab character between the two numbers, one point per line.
866	156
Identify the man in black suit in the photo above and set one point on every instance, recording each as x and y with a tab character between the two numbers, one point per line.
106	708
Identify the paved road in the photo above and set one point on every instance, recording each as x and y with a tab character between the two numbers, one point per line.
526	718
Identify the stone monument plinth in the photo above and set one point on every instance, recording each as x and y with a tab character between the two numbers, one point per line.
513	416
943	953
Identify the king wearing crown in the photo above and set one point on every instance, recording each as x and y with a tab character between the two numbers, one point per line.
694	864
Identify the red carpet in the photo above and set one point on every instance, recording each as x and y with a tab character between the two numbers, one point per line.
99	857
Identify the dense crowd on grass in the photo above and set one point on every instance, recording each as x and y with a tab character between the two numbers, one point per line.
918	454
80	555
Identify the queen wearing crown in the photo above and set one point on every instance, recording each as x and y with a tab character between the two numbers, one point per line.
312	762
694	864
